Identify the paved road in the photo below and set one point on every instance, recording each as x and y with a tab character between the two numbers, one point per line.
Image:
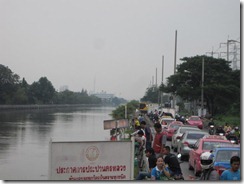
184	165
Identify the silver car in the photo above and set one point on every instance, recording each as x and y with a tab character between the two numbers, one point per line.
188	139
177	135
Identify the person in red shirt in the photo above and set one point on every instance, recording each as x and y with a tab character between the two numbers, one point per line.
159	139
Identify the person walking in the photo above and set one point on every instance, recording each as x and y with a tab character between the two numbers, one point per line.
159	139
234	172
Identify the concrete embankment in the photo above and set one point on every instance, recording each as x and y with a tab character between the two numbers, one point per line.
51	106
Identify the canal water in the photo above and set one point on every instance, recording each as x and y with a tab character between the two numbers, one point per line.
25	137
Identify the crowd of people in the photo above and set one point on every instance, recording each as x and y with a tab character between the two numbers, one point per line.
164	165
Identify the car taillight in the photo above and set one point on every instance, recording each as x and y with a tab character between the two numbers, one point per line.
178	137
186	144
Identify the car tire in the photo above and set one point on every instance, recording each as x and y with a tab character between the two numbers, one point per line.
196	173
189	166
175	149
183	157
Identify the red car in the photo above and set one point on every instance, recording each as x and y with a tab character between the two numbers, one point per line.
172	127
195	121
204	144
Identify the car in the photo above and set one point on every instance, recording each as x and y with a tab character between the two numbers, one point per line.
171	128
207	143
222	157
177	135
195	121
165	120
188	139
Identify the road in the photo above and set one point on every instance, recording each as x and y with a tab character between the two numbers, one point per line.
184	164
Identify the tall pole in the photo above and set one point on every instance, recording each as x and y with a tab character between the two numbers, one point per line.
228	49
156	82
175	51
202	107
162	81
175	64
162	68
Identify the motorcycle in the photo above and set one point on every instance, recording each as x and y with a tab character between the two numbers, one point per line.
211	130
232	138
178	176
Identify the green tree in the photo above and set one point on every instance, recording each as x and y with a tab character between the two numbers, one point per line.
151	95
221	83
119	112
42	92
21	94
8	85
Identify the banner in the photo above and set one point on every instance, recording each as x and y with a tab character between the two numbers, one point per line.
111	124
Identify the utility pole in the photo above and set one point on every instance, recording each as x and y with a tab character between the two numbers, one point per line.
175	51
162	68
162	81
156	78
175	64
202	92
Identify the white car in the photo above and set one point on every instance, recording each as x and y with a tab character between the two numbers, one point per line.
177	135
188	139
165	121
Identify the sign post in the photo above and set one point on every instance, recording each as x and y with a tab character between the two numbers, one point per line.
92	160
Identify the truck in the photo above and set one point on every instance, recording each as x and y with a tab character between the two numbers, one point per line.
143	107
168	110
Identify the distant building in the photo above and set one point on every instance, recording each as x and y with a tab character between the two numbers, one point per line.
105	97
63	88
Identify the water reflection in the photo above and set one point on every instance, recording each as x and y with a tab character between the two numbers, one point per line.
25	136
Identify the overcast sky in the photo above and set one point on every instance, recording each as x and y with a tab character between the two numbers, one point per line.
111	45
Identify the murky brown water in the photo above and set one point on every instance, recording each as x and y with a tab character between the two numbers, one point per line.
25	136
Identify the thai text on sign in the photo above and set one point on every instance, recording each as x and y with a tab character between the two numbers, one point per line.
94	160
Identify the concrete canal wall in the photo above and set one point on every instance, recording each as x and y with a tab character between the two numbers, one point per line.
19	107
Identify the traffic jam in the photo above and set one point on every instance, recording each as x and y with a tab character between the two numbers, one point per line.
203	148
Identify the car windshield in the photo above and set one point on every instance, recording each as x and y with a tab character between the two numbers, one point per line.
194	118
166	122
194	136
225	155
210	145
174	126
183	130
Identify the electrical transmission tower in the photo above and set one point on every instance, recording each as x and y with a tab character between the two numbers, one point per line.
232	50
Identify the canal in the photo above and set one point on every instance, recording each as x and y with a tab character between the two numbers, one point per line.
25	137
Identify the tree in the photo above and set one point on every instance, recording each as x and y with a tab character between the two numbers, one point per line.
221	84
42	92
151	95
21	94
119	112
8	84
